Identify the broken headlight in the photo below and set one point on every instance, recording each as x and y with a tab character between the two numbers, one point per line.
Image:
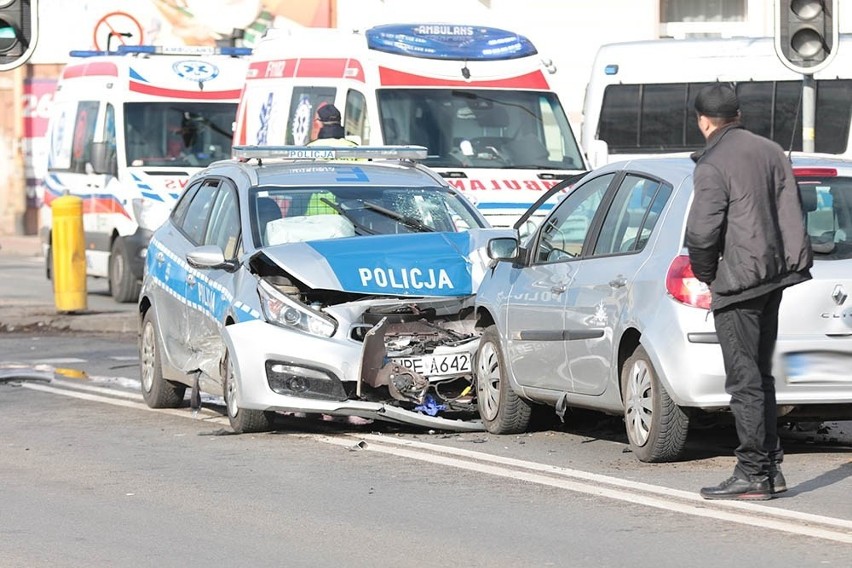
286	312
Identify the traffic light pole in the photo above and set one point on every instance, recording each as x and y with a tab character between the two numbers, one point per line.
808	112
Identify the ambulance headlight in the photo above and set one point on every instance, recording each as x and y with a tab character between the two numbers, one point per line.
286	312
149	214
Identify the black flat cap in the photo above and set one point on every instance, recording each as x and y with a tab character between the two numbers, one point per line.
717	101
328	113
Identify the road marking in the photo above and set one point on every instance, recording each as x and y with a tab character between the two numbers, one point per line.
752	514
614	481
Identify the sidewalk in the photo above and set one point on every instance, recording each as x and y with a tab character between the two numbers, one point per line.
27	303
20	245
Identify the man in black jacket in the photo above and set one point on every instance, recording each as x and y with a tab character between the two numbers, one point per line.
747	241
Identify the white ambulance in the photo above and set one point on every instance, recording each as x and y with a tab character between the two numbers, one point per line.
479	98
127	129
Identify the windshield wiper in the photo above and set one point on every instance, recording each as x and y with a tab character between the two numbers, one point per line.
404	219
340	210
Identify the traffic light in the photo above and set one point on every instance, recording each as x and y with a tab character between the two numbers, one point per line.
18	32
806	33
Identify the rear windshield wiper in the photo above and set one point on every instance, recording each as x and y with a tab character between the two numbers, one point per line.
404	219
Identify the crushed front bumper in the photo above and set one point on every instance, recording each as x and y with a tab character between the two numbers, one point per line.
255	345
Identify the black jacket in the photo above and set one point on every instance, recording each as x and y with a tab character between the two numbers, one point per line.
745	231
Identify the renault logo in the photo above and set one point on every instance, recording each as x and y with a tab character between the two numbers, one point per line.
839	295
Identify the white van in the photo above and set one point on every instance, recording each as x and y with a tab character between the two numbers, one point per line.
126	131
639	99
478	98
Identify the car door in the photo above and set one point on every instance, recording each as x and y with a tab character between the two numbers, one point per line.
536	327
177	306
167	296
601	293
210	293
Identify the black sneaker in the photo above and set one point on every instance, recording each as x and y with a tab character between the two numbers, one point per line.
777	481
737	488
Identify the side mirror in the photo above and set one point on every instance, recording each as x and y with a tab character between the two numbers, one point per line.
209	256
503	248
598	153
103	159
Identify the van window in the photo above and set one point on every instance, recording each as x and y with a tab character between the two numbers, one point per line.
475	128
303	107
187	134
355	117
661	118
109	138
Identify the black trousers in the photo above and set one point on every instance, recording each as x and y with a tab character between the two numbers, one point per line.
747	332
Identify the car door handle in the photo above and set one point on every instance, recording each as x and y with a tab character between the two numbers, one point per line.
618	282
558	289
190	280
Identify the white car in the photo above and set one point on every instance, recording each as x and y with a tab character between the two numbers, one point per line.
599	309
322	280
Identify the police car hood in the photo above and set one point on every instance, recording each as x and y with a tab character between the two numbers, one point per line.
416	264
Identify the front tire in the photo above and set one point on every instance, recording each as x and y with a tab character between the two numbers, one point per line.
157	391
123	285
656	426
243	420
502	411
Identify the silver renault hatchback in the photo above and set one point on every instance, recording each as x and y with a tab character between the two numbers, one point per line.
599	309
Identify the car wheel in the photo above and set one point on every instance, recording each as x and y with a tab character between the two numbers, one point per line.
123	286
243	420
157	391
656	426
502	411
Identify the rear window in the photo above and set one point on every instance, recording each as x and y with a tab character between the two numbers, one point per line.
827	202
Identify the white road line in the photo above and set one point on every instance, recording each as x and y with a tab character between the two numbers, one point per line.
209	415
755	515
614	481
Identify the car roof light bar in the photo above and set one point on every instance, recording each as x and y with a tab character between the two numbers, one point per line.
330	152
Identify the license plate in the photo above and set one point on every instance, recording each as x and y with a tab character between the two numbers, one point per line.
818	367
436	365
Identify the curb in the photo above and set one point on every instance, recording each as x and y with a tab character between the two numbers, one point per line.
39	318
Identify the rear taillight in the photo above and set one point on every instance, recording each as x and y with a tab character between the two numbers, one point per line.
684	287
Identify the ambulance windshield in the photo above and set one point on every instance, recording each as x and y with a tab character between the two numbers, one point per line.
182	134
478	128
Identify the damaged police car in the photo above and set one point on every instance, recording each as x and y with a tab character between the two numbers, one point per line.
325	280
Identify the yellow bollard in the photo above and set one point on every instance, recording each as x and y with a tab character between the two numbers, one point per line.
68	247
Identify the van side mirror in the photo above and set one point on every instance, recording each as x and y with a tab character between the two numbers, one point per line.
598	153
103	159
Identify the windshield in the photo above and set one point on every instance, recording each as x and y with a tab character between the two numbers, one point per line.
292	214
178	133
827	202
481	128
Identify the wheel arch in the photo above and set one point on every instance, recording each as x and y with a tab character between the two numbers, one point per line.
483	318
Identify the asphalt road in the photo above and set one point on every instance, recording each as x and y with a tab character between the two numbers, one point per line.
90	476
91	481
